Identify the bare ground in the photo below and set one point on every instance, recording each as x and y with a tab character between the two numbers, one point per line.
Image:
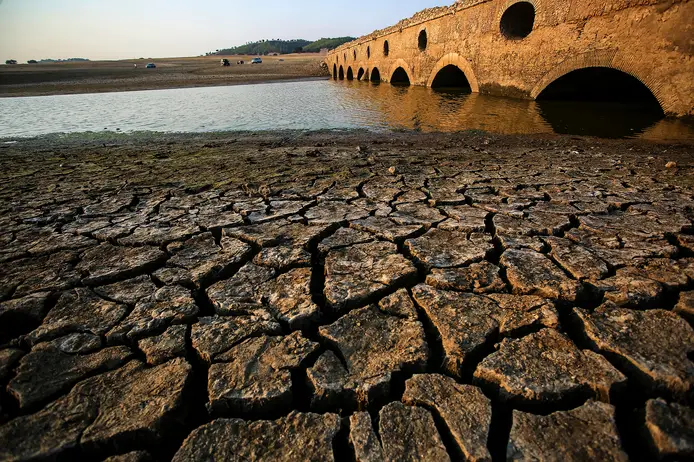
345	295
107	76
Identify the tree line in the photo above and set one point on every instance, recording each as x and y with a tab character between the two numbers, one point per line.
263	47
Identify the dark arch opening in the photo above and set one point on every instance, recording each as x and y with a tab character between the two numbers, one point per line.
375	75
368	52
360	73
342	73
354	53
335	71
386	48
422	41
400	77
518	21
598	84
599	101
451	77
350	74
345	57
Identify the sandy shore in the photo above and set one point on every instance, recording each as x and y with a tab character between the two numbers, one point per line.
108	76
249	295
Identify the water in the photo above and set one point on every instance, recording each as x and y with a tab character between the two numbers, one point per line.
324	104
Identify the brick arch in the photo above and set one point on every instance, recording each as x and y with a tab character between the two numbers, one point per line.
611	59
537	4
362	65
459	62
400	63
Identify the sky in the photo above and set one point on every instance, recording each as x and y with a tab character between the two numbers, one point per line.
122	29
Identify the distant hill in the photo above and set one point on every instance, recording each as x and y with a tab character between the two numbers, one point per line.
329	43
283	46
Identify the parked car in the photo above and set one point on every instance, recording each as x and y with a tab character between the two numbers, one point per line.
32	61
256	61
225	63
151	66
11	61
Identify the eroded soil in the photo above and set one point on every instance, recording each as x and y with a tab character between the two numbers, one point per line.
348	296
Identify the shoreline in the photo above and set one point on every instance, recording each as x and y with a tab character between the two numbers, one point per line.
352	136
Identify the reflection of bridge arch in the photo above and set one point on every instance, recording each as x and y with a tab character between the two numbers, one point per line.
607	59
394	67
453	59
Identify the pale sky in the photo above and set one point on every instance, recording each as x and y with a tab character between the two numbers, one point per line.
101	29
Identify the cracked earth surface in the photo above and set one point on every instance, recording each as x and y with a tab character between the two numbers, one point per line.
346	296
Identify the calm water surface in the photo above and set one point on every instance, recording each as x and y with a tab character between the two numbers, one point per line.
324	104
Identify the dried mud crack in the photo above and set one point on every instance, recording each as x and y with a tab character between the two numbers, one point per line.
346	296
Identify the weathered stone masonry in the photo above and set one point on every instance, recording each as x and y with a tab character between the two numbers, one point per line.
651	40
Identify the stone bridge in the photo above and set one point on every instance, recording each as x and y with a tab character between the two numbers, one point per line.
537	48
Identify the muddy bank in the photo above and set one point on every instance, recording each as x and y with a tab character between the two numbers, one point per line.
110	76
345	295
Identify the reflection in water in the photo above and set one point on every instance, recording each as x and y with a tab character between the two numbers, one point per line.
605	120
323	104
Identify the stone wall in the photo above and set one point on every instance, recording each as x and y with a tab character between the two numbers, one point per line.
648	39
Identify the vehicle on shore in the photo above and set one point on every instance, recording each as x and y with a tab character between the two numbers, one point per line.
256	61
151	66
225	62
11	61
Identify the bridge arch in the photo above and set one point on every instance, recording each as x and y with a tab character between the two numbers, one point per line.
350	73
360	73
375	75
334	71
453	59
401	63
609	59
341	74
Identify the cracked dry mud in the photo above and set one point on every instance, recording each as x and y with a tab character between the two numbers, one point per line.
346	296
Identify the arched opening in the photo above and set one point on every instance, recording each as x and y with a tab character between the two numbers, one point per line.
350	74
375	75
400	77
599	101
422	41
360	73
342	73
354	53
344	56
386	48
335	71
368	52
451	77
518	21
